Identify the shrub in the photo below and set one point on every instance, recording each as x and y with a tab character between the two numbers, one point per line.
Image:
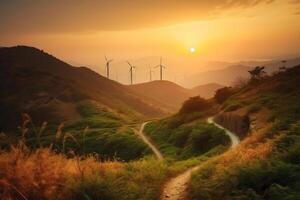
187	140
194	104
223	94
206	136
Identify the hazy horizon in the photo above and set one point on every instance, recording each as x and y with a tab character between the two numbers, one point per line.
82	33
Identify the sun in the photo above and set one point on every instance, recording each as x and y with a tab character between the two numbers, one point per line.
192	50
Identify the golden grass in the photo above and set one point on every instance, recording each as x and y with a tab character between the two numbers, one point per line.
218	175
43	174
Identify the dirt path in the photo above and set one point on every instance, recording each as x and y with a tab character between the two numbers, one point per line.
148	142
175	189
234	139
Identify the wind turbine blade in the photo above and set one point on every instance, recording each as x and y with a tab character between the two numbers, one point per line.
156	66
105	58
129	63
160	60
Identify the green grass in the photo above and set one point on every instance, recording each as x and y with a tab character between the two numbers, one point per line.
275	177
136	180
98	131
232	105
185	140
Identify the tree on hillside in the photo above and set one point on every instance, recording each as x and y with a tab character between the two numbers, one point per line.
194	104
223	94
257	73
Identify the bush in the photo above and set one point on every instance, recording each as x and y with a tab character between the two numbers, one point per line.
264	174
206	136
223	94
194	104
187	140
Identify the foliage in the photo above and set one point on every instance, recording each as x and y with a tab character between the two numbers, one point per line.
223	94
43	174
98	132
266	164
194	104
257	73
185	140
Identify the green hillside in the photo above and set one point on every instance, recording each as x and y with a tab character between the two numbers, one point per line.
187	134
266	164
48	89
96	112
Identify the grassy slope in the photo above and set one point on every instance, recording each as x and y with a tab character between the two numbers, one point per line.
52	91
62	177
48	89
97	131
266	164
183	136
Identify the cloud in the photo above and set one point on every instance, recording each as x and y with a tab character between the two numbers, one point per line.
77	15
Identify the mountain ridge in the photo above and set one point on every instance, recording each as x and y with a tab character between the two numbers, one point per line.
35	80
172	95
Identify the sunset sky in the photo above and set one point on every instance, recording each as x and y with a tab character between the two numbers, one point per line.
81	32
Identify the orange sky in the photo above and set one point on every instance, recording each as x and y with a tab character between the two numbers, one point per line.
81	32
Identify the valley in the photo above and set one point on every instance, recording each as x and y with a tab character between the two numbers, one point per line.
150	100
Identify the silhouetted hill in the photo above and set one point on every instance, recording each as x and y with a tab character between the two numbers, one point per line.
49	89
171	95
166	93
224	76
206	91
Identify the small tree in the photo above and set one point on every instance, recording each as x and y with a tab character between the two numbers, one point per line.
223	94
257	73
194	104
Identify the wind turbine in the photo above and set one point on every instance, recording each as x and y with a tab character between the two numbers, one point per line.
131	71
107	66
161	68
150	73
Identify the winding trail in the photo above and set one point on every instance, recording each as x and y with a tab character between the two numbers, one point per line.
234	139
148	142
176	188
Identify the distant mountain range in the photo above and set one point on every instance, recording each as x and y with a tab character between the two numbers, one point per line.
49	89
230	73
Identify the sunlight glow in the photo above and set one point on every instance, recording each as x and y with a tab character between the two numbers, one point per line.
192	50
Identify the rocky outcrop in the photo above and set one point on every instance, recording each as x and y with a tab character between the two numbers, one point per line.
236	123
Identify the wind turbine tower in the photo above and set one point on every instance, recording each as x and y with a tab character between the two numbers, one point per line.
131	71
161	66
107	66
150	73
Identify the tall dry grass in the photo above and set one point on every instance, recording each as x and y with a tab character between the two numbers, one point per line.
217	177
44	174
55	172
